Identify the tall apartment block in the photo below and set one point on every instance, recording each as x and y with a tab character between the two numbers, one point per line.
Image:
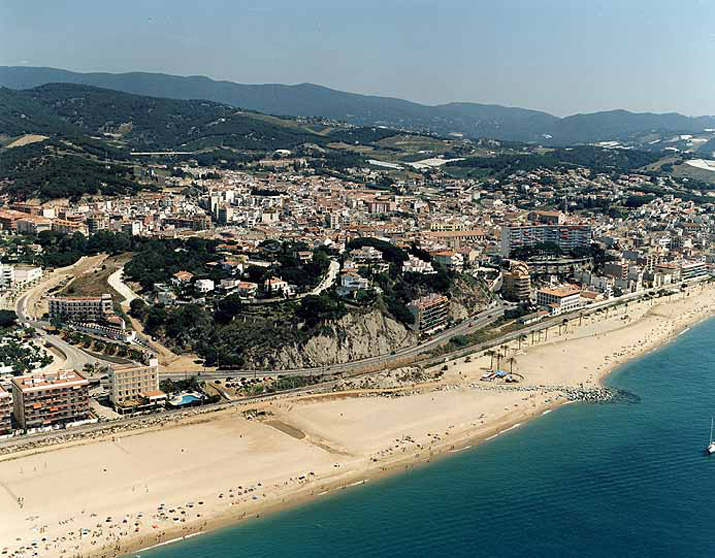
566	237
430	312
49	398
5	412
517	282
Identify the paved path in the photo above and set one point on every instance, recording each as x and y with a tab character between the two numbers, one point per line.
329	279
115	281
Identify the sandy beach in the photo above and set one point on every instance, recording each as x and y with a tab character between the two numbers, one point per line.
121	493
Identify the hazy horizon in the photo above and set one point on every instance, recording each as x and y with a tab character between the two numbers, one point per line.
550	55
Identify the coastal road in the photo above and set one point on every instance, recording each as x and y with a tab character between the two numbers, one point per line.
75	358
553	322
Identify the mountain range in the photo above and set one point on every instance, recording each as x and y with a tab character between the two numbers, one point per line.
468	119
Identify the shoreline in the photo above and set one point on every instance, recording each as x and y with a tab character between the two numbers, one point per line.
353	480
470	442
661	322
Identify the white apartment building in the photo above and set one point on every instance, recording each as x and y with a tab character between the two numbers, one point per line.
15	275
416	265
7	276
693	270
204	285
449	259
353	282
27	274
276	286
559	300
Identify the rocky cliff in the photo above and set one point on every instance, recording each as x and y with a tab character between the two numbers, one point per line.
468	296
356	336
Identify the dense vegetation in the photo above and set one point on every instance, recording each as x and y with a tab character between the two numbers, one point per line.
594	158
398	288
231	334
147	123
155	261
8	318
59	250
21	115
295	272
23	356
46	170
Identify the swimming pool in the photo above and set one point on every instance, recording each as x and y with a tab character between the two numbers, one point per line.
184	399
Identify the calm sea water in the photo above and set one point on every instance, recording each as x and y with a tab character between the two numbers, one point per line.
627	480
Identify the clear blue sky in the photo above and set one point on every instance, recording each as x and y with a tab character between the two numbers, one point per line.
562	56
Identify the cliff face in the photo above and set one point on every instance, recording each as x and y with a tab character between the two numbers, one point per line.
355	336
468	298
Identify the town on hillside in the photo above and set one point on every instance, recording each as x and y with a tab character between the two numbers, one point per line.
227	282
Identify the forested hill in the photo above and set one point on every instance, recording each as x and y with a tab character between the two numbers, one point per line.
67	140
471	119
144	122
20	114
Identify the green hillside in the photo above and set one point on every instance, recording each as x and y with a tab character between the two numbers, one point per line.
472	120
59	169
147	123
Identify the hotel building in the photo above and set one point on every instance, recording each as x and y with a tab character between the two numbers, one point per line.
132	386
517	282
81	308
693	270
50	398
560	300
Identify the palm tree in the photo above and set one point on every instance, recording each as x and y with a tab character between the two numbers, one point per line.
565	323
511	365
522	338
491	358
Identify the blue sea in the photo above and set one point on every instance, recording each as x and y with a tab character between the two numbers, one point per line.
620	479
